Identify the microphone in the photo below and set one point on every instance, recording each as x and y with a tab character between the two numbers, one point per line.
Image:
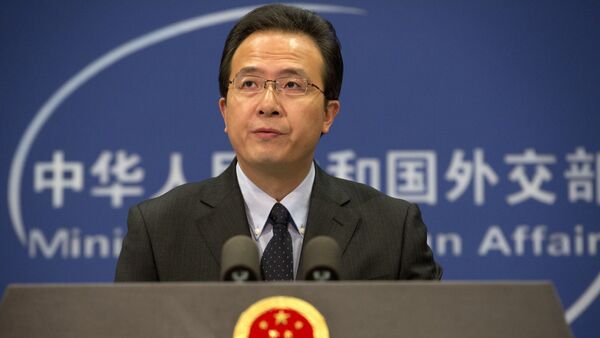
239	260
321	260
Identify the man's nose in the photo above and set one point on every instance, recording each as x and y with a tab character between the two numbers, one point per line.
269	103
272	84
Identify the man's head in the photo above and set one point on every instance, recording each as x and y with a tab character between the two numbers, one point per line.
293	20
275	76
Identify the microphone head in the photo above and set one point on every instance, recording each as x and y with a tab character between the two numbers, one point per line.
322	259
239	260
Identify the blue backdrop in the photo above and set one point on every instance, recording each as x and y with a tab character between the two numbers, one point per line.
485	113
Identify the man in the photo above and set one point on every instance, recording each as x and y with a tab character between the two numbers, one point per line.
280	80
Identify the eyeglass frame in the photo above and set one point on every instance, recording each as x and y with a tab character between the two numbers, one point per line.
275	81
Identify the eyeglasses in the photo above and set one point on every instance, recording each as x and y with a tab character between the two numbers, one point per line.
252	84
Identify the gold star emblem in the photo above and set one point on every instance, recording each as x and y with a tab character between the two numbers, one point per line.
281	317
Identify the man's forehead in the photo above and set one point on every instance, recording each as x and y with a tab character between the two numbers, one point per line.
288	71
271	54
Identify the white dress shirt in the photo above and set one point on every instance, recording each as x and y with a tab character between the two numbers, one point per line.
259	204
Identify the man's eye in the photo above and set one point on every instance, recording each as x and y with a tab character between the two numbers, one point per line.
294	86
248	84
291	84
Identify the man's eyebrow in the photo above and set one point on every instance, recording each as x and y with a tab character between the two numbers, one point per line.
247	70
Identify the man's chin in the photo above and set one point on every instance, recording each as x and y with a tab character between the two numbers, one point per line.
269	162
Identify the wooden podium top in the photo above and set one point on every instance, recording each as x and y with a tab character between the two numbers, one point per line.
351	309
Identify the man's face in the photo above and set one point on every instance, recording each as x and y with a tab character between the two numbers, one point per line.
271	130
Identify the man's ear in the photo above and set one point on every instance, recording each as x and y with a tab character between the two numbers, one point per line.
223	109
331	110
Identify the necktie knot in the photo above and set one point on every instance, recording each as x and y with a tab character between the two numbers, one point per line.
279	215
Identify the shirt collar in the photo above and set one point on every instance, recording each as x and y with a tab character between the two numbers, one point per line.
259	204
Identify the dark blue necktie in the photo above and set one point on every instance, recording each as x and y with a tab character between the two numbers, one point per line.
277	262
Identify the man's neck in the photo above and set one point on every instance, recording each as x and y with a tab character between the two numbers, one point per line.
276	181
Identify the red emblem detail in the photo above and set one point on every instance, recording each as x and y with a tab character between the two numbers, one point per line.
281	317
281	323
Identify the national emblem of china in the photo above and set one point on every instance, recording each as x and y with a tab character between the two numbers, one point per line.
281	317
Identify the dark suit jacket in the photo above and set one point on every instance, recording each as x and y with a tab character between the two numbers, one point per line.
179	236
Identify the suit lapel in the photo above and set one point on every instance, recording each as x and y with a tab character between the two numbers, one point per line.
226	216
327	215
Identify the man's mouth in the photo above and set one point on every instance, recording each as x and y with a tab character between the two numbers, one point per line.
267	133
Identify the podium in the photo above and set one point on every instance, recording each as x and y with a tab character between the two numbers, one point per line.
350	309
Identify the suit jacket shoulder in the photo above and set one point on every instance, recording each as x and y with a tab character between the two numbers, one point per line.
178	236
381	237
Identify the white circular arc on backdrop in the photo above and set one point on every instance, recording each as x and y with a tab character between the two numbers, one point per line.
137	44
100	64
